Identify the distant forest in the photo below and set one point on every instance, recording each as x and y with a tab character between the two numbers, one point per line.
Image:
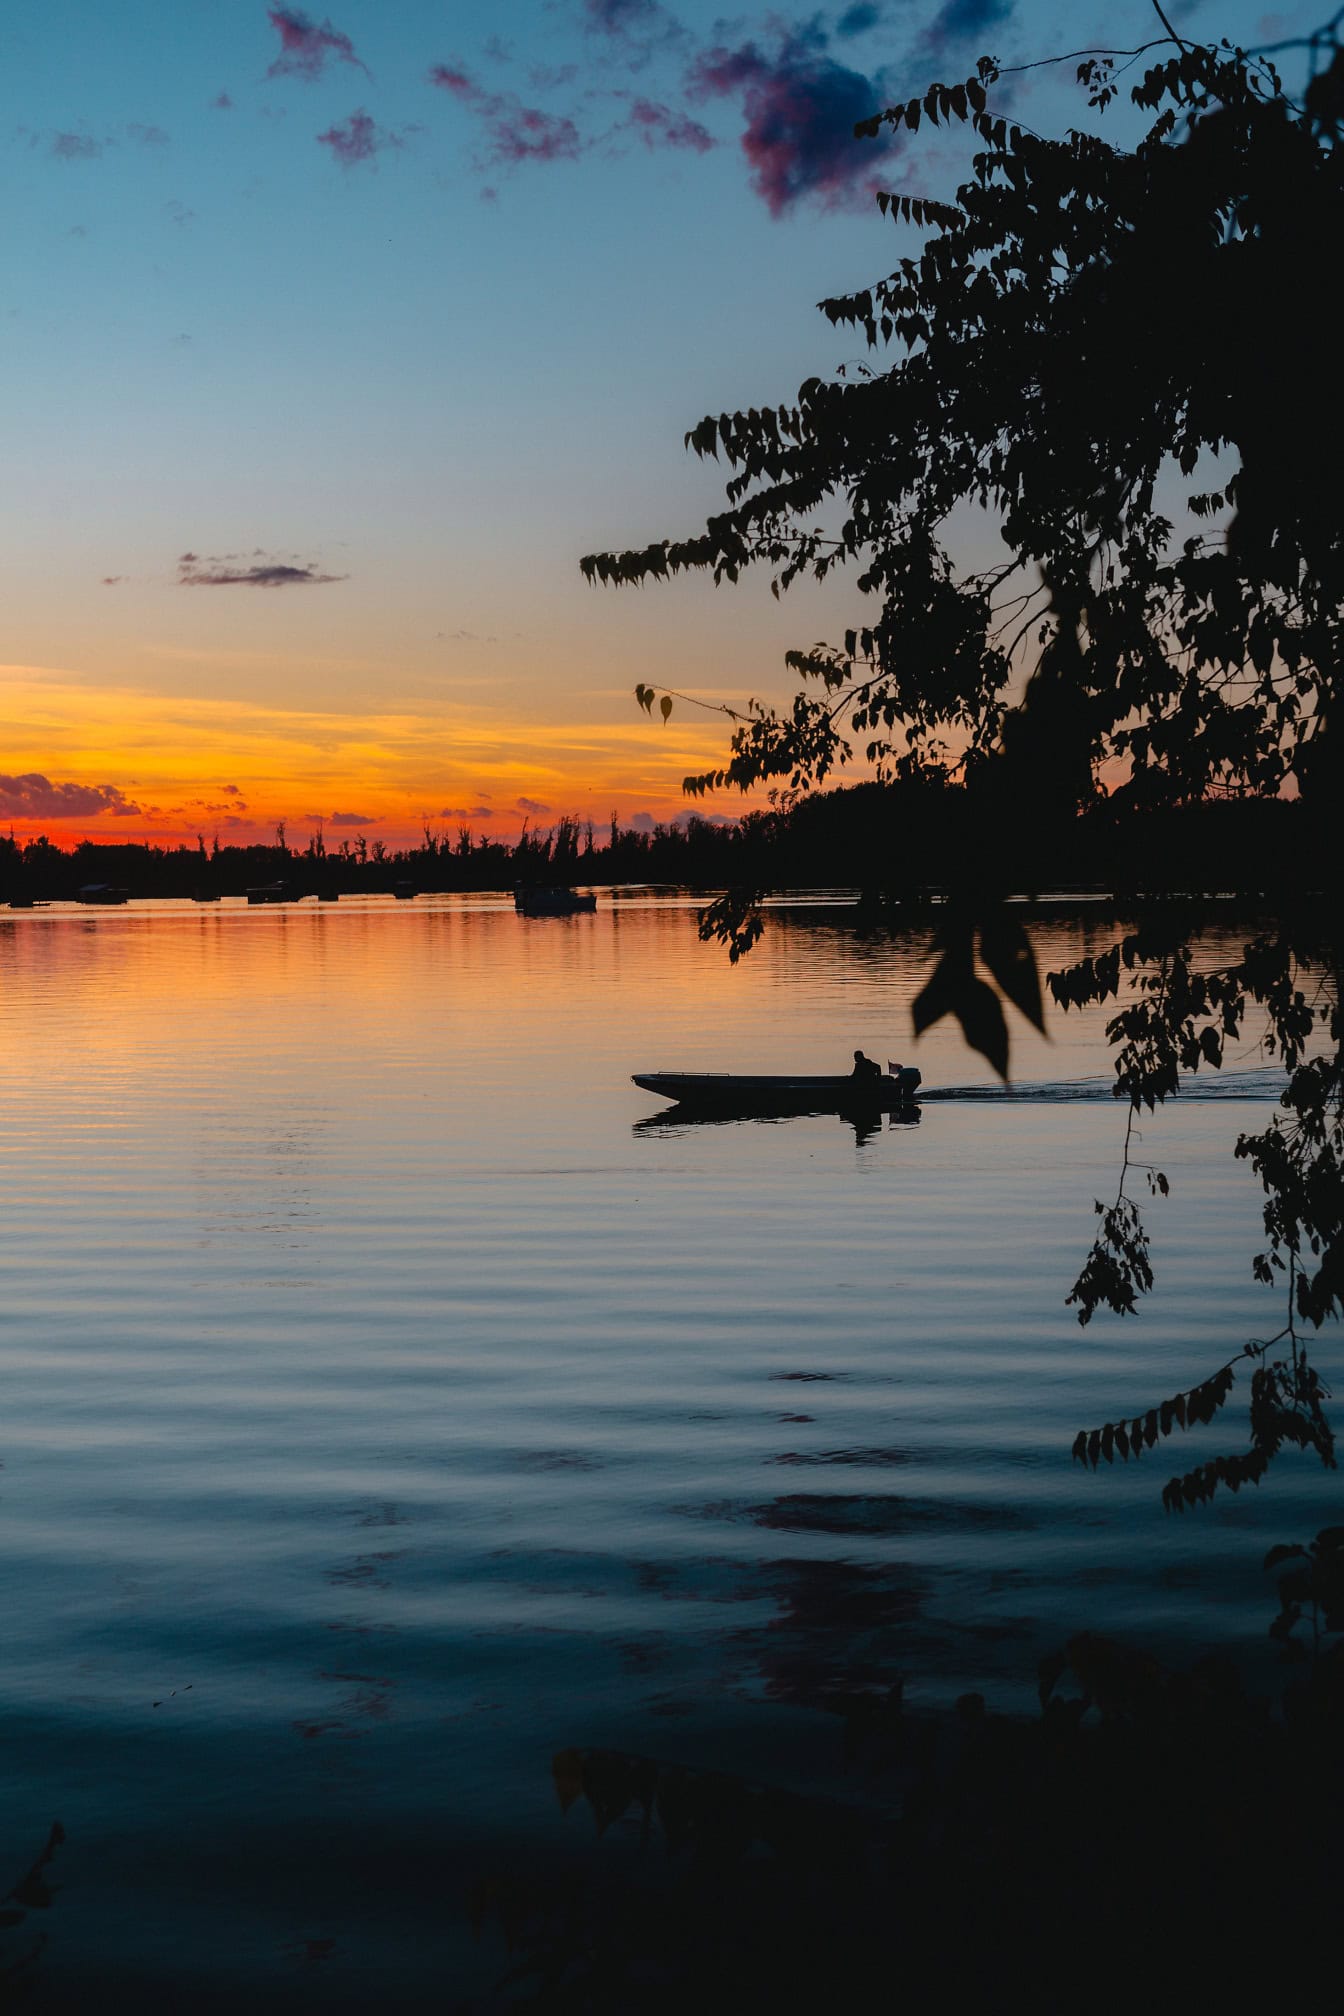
898	841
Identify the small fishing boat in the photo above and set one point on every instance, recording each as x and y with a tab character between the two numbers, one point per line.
737	1092
271	892
550	902
101	892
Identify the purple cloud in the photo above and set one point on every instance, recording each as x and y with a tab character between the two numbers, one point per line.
660	126
357	139
148	136
353	818
76	147
638	28
230	572
800	109
466	812
534	806
305	48
33	796
232	790
514	132
957	20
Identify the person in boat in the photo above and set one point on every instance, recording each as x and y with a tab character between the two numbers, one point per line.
865	1071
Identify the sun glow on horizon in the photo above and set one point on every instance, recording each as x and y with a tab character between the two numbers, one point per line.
122	763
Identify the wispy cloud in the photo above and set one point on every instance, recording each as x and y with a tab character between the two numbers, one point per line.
34	796
800	108
353	819
148	136
663	126
858	20
635	30
306	48
466	812
513	132
76	147
535	807
255	570
958	20
357	139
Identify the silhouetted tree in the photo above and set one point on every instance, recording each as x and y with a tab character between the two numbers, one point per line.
1095	341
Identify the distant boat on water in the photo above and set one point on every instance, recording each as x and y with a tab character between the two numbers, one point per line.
271	892
403	891
550	902
729	1092
101	892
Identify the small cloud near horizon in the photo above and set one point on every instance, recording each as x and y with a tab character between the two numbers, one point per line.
306	48
352	818
256	570
466	812
535	807
33	796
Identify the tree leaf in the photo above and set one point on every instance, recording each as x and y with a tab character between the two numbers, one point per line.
1007	952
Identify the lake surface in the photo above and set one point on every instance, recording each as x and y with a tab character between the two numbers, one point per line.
387	1405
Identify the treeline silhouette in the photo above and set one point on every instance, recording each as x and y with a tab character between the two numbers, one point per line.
901	842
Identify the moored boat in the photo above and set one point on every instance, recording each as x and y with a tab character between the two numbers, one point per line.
550	902
101	892
740	1092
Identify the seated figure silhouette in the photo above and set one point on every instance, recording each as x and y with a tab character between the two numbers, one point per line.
865	1071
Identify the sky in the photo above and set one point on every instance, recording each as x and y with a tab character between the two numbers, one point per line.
332	341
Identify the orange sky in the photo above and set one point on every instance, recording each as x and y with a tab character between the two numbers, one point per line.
190	764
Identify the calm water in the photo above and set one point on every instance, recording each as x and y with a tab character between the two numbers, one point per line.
385	1406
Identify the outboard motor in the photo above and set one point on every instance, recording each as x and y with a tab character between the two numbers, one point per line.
908	1078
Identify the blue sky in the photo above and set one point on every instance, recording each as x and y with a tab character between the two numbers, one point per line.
385	316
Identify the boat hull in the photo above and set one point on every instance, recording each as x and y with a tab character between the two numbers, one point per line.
551	902
736	1092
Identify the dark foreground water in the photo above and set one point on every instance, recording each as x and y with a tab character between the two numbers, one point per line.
386	1404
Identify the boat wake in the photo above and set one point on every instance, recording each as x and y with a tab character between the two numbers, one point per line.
1200	1087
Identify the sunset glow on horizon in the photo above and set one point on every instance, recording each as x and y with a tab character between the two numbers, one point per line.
339	341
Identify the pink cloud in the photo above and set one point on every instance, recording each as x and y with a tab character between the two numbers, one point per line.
660	126
357	139
800	108
305	49
513	131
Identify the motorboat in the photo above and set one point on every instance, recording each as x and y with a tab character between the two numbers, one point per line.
530	902
271	892
737	1092
101	892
